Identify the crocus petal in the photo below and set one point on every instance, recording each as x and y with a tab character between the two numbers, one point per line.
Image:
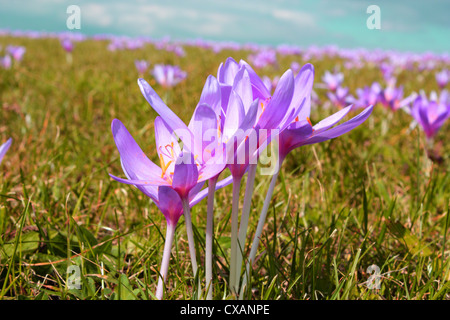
150	191
204	193
331	120
259	88
250	117
166	144
203	126
185	176
303	87
212	168
134	160
243	87
160	107
293	136
424	118
235	115
4	147
342	128
141	182
277	107
211	94
227	72
170	204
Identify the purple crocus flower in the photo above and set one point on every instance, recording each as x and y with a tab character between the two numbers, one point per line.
16	52
261	111
177	49
263	58
332	80
366	96
339	97
141	66
392	97
4	147
6	62
431	113
387	70
298	133
174	185
168	75
442	78
295	67
179	168
174	198
67	45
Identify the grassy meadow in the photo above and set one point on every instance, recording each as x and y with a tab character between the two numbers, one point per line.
370	197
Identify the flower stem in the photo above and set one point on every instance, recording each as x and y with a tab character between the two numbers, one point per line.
209	237
234	232
170	232
258	232
244	221
190	234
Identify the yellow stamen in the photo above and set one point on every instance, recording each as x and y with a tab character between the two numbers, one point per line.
164	166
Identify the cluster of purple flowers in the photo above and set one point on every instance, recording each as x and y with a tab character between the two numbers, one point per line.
236	119
263	58
13	53
164	74
337	94
431	112
167	75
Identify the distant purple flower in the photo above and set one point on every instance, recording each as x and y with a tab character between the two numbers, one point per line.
115	45
431	113
295	67
4	147
67	44
442	78
332	80
340	97
392	97
133	44
16	52
387	70
168	75
141	66
366	96
6	62
177	49
263	58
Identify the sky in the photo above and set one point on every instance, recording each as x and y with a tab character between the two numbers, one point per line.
414	25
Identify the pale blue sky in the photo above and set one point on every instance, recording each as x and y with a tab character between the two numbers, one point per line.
414	25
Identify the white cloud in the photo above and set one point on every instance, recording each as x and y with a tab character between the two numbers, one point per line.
96	14
296	17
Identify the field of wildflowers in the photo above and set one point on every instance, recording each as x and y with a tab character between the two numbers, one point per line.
139	168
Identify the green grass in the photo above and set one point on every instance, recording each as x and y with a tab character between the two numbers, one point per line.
370	197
